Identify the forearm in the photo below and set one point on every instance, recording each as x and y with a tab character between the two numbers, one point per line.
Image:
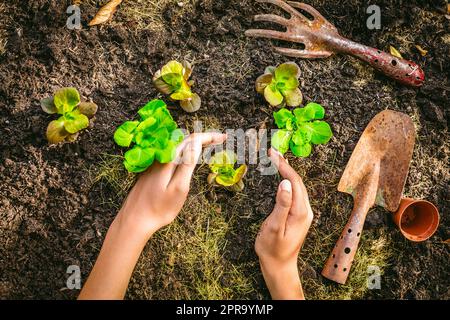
115	264
283	283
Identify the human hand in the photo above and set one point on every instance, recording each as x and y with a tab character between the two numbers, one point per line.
160	192
283	232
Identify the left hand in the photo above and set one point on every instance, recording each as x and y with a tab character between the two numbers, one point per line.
160	192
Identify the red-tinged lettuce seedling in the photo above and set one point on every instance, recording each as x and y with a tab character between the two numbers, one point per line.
300	129
154	136
223	172
173	79
74	115
280	85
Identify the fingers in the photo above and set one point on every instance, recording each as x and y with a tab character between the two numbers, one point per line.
206	138
278	217
300	203
167	170
189	152
181	178
284	168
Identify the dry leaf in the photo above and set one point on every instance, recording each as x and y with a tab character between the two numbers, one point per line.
447	241
422	51
395	52
105	13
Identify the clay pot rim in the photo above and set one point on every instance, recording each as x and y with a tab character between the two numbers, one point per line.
430	231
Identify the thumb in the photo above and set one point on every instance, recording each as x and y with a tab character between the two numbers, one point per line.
282	205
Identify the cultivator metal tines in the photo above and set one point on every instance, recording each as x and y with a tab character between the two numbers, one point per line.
321	39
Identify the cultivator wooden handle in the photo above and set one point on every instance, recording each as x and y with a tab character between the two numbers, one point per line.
401	70
320	39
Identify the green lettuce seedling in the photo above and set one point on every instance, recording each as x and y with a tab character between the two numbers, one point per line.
153	136
223	172
280	85
300	129
74	117
173	79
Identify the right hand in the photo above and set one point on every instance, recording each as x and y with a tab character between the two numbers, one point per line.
283	232
160	192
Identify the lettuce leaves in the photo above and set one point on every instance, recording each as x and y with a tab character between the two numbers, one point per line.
173	79
280	85
74	115
223	172
300	129
154	136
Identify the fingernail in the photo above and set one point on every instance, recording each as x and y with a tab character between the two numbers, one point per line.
285	185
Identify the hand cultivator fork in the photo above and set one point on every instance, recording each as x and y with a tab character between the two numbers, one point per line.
321	39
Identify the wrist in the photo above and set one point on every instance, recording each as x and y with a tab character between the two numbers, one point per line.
282	281
133	223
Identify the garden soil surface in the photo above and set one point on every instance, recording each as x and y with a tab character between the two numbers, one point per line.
52	215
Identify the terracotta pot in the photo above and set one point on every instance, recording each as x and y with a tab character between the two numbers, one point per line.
417	219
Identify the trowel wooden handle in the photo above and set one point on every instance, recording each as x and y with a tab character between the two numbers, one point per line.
338	265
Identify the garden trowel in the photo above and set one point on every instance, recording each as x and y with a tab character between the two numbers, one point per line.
375	174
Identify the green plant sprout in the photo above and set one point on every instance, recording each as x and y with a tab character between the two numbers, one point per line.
223	172
74	115
154	136
279	85
173	79
300	128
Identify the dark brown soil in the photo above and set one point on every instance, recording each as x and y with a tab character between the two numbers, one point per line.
51	215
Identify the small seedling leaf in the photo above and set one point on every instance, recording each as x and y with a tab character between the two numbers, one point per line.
280	140
282	117
124	134
75	121
66	99
302	150
48	105
140	157
56	132
262	82
287	71
167	154
192	104
89	109
293	97
149	109
273	95
320	131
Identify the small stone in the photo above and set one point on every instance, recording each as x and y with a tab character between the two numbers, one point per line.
180	4
432	112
